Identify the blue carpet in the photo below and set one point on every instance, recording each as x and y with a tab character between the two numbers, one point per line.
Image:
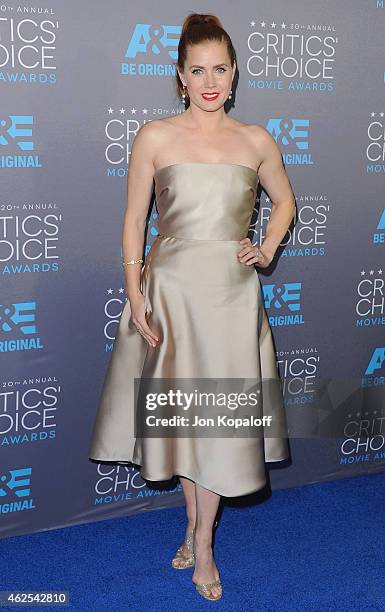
314	548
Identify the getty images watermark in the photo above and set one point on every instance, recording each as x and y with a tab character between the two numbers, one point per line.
209	407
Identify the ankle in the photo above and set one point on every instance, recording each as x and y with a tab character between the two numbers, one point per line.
203	541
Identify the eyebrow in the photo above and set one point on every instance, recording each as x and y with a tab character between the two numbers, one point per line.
217	66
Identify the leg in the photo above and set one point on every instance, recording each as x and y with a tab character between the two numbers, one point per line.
205	567
191	504
190	499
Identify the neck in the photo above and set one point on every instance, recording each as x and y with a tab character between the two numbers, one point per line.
205	121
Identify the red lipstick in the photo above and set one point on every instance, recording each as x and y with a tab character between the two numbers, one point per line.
210	96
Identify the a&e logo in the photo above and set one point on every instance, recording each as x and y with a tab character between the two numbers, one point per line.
151	45
292	135
379	236
15	131
376	365
283	298
18	319
15	491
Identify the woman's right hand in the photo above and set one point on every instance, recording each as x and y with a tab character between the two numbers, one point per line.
138	318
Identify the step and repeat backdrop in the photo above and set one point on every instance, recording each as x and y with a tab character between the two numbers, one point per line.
77	81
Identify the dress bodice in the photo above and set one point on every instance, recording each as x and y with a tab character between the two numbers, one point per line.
205	201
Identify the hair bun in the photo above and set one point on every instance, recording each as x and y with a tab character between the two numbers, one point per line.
200	19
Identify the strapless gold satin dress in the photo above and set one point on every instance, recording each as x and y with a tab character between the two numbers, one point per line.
208	311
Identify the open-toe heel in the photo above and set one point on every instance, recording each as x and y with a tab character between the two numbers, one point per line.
183	560
204	589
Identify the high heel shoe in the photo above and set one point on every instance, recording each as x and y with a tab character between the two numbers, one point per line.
183	560
204	589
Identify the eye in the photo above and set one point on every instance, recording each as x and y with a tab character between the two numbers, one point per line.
197	70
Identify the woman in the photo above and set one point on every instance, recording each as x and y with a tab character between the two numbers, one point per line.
195	308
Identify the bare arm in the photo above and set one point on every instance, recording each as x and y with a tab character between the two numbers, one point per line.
139	192
275	182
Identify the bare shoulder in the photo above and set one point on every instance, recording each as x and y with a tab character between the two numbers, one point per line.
148	140
259	134
262	140
152	133
149	130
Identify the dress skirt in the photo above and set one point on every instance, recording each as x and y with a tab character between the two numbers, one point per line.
207	310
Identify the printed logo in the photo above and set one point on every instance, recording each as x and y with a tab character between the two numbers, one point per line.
375	149
120	128
113	309
364	440
28	411
379	236
285	297
122	483
292	136
18	319
16	133
15	491
375	365
291	57
307	234
29	244
370	307
152	46
28	47
298	368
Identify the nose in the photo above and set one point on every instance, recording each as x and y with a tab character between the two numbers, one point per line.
209	80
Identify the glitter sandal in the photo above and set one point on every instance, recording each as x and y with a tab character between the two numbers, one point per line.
183	560
204	589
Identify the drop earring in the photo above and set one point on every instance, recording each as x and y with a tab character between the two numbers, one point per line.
184	95
229	96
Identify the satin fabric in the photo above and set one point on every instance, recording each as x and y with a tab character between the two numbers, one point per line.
208	311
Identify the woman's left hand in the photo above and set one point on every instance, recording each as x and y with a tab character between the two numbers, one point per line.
253	255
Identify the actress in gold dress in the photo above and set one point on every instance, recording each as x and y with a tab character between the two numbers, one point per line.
195	307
